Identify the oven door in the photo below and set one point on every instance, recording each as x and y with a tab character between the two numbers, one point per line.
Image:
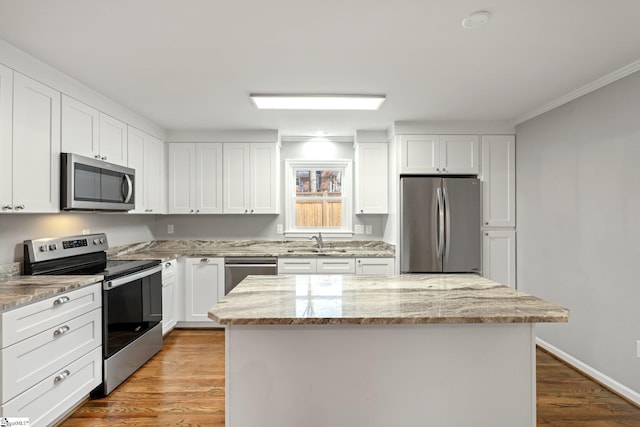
90	184
132	305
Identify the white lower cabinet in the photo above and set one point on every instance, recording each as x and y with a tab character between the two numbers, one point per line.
203	287
53	358
375	266
169	296
499	256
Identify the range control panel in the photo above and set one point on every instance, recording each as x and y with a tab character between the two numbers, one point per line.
62	247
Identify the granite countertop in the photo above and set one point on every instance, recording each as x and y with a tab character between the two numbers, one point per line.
405	299
165	250
17	291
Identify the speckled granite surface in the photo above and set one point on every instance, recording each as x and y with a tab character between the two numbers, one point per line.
405	299
21	290
169	249
10	270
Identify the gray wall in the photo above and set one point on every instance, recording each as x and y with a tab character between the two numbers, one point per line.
578	201
121	229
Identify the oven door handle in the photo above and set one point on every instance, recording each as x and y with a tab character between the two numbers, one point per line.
110	284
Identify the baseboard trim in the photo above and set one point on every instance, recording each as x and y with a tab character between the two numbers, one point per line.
616	387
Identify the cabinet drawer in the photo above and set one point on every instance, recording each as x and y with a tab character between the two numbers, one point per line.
29	320
296	265
27	362
336	266
375	266
52	397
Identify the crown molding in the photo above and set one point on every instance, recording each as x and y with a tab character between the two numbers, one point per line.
581	91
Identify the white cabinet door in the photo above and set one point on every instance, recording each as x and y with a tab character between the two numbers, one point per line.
169	295
154	177
499	180
236	177
80	128
459	154
204	285
264	173
146	156
372	180
6	126
375	266
499	256
208	178
420	154
36	146
113	140
135	157
296	265
182	188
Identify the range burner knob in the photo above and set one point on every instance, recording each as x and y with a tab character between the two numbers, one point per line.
96	241
53	247
44	248
102	241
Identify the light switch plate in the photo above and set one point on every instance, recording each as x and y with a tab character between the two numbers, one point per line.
279	229
170	229
359	229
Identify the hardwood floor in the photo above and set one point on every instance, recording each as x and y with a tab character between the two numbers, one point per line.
184	385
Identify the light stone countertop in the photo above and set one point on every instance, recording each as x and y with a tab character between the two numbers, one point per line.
165	250
404	299
17	291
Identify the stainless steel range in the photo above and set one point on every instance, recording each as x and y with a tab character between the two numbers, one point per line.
131	299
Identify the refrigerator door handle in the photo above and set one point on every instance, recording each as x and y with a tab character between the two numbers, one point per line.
440	222
447	227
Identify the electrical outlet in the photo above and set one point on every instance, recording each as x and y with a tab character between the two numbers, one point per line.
638	348
359	229
368	229
170	229
279	229
86	231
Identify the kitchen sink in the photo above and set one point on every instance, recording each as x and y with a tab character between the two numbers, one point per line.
316	251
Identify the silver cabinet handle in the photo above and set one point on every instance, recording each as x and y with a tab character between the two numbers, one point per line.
61	376
246	210
197	210
251	210
104	157
167	264
61	300
191	211
361	210
97	156
19	207
204	260
437	169
7	207
61	331
486	223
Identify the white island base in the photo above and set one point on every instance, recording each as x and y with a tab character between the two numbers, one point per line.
440	375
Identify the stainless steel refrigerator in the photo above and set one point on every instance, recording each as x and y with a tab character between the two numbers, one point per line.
440	225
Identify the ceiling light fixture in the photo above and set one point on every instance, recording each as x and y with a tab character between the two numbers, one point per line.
476	20
317	102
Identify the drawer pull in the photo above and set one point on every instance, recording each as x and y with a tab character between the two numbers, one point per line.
61	376
167	265
61	300
61	331
204	260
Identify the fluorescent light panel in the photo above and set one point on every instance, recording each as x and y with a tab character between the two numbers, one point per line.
317	102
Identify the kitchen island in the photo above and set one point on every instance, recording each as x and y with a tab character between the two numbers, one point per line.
410	350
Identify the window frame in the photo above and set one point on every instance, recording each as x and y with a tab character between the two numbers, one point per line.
347	197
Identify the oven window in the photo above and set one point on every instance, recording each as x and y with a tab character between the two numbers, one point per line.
86	183
131	310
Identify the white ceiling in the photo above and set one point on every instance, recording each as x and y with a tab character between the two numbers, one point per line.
190	64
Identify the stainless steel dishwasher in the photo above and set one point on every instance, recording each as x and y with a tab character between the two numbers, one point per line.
237	268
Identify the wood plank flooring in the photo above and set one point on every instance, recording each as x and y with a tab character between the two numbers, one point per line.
184	385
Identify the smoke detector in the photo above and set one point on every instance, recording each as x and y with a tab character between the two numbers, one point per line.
475	20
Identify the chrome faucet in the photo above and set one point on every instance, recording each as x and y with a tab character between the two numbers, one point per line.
318	239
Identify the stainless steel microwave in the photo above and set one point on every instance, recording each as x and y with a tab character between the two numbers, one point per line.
94	185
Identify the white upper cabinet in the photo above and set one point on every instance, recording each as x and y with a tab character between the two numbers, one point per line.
146	156
88	132
372	180
6	143
251	181
113	140
35	147
439	154
498	181
195	178
80	128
